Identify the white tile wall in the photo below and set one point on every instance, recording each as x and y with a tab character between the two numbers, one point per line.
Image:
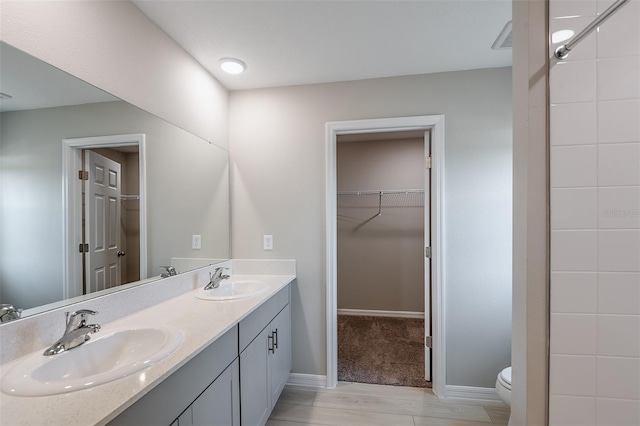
595	219
577	292
618	293
617	412
572	410
574	124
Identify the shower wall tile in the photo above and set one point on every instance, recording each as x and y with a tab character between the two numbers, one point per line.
573	81
572	375
573	124
574	208
620	34
619	207
619	164
566	8
618	335
573	166
574	292
618	78
595	102
572	410
619	250
573	334
574	250
617	412
618	121
587	47
618	377
619	293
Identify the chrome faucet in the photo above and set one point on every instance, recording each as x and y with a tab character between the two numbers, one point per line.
9	313
216	278
76	333
171	271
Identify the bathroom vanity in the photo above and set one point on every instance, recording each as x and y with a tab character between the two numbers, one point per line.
235	353
250	363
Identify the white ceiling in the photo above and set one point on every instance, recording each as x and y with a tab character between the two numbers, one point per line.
303	42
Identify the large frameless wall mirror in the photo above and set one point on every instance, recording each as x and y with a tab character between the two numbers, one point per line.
95	193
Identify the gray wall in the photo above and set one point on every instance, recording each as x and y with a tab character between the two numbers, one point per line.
380	259
278	187
31	197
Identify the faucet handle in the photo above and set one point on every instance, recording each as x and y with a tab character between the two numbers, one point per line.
82	313
170	271
218	272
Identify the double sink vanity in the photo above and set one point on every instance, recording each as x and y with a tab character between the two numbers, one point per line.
188	356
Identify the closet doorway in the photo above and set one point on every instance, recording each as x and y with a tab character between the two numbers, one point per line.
383	239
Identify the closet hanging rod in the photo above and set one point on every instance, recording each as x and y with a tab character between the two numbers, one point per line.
383	192
562	51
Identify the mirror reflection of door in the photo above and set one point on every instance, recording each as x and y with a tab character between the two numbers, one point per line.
111	218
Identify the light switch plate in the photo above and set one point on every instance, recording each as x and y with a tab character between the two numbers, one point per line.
196	242
267	242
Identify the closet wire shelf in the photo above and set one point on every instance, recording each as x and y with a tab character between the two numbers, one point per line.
381	199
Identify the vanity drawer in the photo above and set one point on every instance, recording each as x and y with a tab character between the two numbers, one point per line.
253	324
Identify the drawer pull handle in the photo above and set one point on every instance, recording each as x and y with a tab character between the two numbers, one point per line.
275	340
270	344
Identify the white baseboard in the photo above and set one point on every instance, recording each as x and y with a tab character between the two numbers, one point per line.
471	395
373	313
307	380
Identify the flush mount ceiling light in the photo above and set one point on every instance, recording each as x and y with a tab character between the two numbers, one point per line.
232	65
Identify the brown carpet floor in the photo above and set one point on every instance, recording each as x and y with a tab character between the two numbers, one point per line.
381	350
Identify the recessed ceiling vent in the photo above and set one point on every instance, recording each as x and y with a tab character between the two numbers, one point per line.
504	38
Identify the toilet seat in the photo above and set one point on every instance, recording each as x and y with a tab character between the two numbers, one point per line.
504	378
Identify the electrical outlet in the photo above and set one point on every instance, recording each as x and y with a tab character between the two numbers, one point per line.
267	242
196	242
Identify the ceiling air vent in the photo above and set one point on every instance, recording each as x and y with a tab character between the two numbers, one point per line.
504	38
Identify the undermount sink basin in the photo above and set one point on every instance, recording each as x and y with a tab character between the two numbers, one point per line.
231	289
106	357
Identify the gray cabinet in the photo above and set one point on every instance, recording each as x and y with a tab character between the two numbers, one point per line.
265	365
219	404
280	359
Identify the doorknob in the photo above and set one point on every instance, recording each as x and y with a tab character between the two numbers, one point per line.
121	253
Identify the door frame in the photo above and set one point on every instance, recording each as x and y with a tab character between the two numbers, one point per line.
434	123
72	203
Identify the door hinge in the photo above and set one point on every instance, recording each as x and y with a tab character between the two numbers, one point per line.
427	162
428	341
83	175
83	248
427	252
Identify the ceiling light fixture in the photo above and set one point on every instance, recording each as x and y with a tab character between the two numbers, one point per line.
232	65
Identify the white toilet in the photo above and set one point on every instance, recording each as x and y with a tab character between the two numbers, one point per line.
503	387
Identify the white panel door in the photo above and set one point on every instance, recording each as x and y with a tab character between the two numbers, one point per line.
102	222
427	260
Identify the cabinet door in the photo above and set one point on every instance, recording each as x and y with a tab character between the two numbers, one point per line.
219	404
280	359
254	381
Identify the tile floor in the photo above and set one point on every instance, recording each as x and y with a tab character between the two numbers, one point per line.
363	404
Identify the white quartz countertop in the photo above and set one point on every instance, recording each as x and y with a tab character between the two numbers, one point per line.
201	321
